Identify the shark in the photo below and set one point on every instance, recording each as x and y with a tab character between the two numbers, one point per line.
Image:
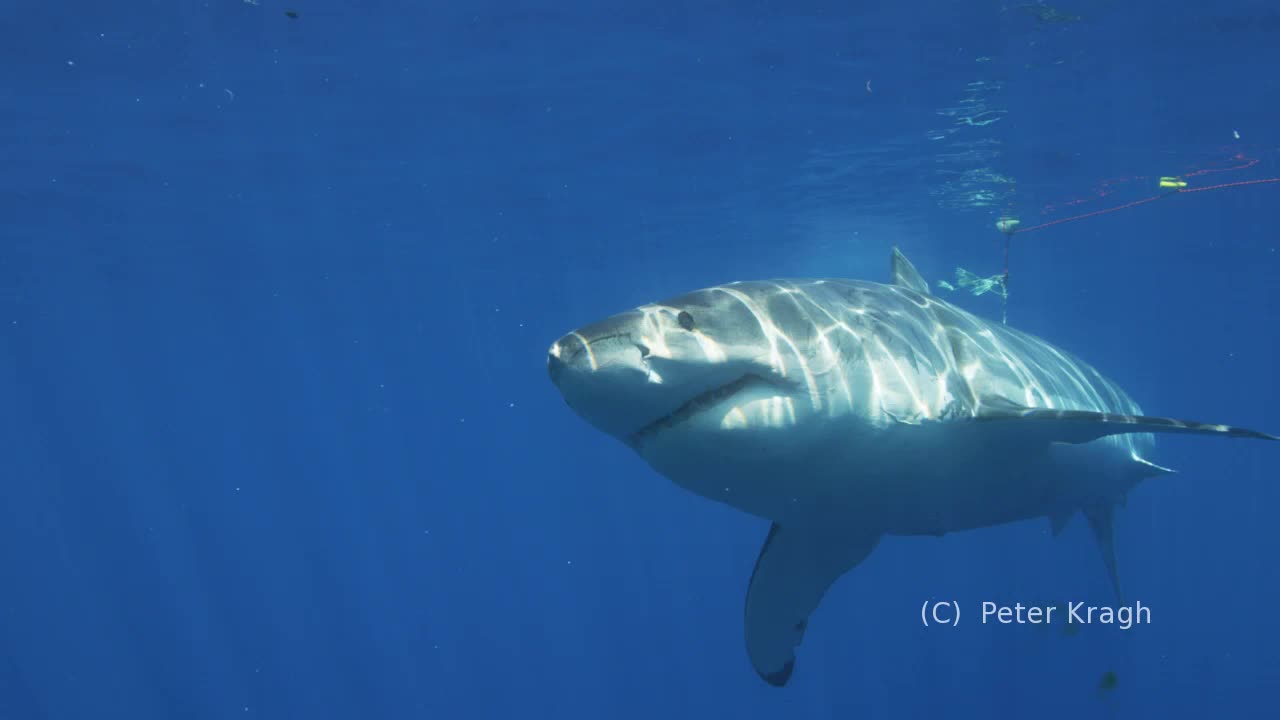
842	411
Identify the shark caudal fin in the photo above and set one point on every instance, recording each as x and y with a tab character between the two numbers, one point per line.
1100	512
1102	521
1101	517
1116	481
1058	521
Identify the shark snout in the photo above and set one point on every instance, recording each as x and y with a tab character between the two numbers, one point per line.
602	371
564	353
555	366
610	344
571	355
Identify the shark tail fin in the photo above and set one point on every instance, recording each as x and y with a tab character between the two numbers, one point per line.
1058	521
1102	521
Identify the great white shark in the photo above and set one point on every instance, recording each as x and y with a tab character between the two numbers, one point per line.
845	410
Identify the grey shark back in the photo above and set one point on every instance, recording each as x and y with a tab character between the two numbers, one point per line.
845	410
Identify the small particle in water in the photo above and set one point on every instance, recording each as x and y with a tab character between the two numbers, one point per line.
291	14
1236	133
1109	681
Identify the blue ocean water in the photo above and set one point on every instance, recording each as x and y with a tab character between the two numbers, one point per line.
276	435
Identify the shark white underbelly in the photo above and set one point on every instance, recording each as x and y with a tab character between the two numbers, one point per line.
846	410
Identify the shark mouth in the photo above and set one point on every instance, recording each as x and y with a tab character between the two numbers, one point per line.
693	407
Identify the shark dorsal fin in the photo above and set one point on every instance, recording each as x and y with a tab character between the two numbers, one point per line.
903	273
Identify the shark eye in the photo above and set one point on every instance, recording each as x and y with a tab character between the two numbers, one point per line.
685	320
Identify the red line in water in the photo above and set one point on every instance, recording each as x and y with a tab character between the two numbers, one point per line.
1232	184
1153	198
1109	185
1248	163
1095	213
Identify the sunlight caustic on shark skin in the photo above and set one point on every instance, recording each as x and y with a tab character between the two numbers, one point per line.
846	410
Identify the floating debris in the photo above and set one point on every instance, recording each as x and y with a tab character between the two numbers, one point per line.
986	117
976	285
1047	14
1108	682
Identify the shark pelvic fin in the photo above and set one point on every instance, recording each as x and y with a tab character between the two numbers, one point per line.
1147	469
905	274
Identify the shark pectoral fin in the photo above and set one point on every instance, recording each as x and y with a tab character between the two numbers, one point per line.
1101	520
1058	521
1079	426
905	274
795	568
